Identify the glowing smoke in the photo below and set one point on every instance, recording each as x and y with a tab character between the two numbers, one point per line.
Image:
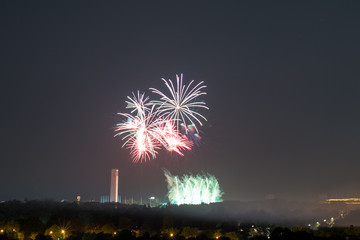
193	189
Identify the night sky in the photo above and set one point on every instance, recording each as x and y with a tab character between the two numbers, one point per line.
283	88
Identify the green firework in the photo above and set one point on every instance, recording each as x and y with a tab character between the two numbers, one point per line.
193	189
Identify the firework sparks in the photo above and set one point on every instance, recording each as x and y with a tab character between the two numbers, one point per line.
191	133
174	142
193	189
182	104
139	103
141	135
151	125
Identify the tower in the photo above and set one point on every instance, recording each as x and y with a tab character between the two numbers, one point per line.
114	185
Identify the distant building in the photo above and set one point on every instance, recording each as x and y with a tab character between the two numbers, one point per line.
344	200
114	185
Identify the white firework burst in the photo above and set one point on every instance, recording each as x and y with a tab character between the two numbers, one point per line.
139	103
182	105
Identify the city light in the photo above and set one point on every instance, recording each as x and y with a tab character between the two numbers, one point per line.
344	200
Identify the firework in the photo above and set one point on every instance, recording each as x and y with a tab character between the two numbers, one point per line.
141	135
174	142
139	103
145	134
193	189
182	104
191	134
151	125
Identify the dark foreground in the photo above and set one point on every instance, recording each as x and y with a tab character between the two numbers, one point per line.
52	220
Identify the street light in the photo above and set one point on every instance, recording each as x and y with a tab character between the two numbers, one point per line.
63	232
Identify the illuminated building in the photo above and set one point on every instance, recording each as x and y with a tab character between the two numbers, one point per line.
114	185
344	200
